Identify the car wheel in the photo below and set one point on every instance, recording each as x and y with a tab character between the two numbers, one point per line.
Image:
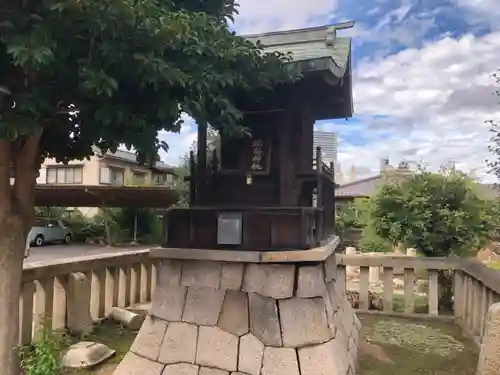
67	239
39	240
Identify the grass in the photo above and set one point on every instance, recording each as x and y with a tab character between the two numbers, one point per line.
401	346
115	337
494	264
390	346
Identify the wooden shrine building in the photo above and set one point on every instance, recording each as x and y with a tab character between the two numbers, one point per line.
271	191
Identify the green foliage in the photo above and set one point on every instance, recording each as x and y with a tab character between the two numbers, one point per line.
438	214
116	225
371	242
352	215
494	147
356	215
118	221
44	356
117	72
181	186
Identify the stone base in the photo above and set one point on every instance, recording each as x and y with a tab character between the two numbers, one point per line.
221	317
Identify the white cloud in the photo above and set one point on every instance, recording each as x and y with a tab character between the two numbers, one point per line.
482	11
437	99
179	143
257	16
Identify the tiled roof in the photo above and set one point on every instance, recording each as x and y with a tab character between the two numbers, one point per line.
131	158
367	186
359	188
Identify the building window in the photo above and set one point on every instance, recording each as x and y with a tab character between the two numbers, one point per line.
64	175
163	179
138	178
111	176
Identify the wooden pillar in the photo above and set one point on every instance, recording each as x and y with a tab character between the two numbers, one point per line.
319	180
201	162
319	196
193	180
285	161
333	212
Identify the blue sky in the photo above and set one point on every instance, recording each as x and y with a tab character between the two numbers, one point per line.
422	85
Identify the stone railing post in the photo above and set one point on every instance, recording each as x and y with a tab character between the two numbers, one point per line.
78	302
351	270
489	358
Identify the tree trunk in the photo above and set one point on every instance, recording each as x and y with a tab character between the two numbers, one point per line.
12	246
16	215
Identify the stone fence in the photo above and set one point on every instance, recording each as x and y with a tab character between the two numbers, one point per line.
76	292
408	285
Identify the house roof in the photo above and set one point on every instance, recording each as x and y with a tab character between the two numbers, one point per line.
131	158
367	186
359	188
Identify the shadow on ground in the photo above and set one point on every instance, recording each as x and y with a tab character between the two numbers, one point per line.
393	346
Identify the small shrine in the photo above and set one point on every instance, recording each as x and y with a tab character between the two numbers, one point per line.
271	190
248	282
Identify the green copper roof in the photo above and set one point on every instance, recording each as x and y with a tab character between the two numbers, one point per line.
314	49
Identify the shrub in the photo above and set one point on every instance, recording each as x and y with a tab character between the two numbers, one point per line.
44	356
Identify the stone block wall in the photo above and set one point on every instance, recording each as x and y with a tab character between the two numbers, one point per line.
221	318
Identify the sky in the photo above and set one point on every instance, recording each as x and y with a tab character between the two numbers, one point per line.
423	88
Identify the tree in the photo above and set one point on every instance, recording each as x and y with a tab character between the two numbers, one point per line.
74	73
437	213
495	138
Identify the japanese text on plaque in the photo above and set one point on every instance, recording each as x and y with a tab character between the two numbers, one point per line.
257	155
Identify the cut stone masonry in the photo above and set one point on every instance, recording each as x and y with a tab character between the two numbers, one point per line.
236	318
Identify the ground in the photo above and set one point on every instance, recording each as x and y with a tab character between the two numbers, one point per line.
389	346
400	346
116	338
54	253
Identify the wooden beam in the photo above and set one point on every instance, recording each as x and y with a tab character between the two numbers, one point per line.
201	164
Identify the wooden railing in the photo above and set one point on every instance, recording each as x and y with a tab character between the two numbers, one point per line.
475	287
62	292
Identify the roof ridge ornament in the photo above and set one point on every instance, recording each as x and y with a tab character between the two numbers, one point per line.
331	36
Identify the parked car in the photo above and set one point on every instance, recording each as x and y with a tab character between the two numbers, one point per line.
49	231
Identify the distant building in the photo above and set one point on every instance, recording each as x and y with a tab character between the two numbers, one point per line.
328	142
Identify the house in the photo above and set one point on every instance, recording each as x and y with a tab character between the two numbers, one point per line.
118	168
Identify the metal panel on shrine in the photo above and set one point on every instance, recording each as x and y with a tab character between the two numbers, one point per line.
271	190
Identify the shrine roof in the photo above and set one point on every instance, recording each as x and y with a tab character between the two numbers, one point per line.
314	49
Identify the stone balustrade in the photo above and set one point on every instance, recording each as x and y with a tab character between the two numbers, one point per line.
475	287
76	292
